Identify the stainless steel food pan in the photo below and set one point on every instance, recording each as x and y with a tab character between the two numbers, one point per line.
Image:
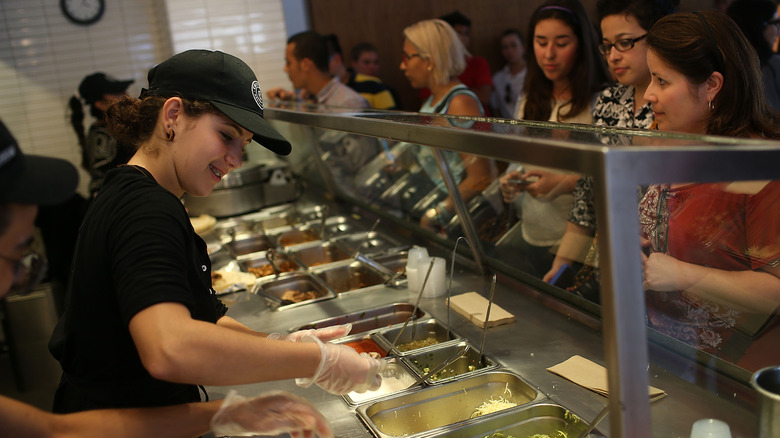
350	277
338	226
416	337
368	319
296	236
396	379
272	223
318	253
471	363
363	343
543	419
242	245
274	290
431	410
260	262
368	243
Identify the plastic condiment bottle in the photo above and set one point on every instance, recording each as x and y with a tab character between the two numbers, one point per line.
710	428
415	255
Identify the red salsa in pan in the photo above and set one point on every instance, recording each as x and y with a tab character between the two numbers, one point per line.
366	346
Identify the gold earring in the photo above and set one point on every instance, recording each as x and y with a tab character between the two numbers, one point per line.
430	68
170	135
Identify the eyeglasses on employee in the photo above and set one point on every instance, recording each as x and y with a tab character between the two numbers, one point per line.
28	272
620	45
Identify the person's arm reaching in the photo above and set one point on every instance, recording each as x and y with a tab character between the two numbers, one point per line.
256	415
176	348
752	291
574	246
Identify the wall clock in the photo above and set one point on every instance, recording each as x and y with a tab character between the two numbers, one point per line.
83	12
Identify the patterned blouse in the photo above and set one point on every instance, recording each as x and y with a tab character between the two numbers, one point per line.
708	225
614	108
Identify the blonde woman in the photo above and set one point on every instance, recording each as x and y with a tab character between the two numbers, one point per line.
433	56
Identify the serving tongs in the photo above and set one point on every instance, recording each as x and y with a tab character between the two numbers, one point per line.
365	239
487	320
270	255
447	362
416	306
325	210
386	272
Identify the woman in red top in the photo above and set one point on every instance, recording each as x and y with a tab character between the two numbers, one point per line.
714	248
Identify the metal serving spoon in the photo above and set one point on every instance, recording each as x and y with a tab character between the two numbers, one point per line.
325	210
365	239
416	305
270	255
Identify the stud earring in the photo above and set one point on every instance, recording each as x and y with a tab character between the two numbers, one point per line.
430	68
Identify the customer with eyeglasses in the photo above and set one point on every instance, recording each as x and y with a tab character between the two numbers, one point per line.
624	27
432	57
565	75
476	75
508	81
759	21
27	181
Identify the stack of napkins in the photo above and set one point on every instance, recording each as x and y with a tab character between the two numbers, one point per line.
591	375
473	307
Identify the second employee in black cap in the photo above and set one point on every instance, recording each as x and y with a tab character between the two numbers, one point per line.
99	151
142	325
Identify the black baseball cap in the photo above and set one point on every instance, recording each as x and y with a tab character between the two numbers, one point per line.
32	179
223	80
94	86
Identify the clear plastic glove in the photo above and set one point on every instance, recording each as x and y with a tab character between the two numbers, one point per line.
343	370
272	413
325	334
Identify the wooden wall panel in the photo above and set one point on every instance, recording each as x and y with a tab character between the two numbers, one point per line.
382	23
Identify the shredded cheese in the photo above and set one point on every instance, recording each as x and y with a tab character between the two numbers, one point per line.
493	405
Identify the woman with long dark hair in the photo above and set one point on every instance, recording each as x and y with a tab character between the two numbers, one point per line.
565	75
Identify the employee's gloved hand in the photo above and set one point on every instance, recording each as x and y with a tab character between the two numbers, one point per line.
272	413
343	370
325	334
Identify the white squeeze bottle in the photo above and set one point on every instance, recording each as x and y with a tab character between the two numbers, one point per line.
415	255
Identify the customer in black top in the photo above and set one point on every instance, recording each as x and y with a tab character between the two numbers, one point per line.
142	326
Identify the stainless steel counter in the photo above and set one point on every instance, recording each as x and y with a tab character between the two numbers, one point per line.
539	338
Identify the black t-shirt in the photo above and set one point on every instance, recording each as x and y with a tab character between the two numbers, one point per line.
136	248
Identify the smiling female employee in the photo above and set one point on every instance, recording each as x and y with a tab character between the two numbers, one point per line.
142	326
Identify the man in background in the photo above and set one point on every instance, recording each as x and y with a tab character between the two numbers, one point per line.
509	80
306	64
364	77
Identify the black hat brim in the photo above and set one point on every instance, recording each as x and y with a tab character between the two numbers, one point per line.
118	87
264	133
44	181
